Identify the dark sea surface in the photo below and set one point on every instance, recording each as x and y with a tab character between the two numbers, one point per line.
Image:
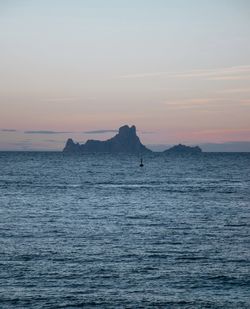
98	231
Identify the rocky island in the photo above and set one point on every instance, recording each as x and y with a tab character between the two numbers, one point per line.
126	141
183	149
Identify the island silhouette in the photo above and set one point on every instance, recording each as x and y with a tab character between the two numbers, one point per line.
125	141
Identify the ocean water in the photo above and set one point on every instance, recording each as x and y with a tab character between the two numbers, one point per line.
98	231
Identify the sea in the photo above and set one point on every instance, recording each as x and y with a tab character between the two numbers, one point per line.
99	231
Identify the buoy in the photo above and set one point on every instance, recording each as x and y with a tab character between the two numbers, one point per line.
141	165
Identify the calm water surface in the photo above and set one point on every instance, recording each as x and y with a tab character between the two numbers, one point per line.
98	231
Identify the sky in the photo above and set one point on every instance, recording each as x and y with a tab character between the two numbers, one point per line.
178	70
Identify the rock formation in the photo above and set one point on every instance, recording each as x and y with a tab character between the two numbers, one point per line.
125	141
183	149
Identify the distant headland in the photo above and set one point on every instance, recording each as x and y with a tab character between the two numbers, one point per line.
125	141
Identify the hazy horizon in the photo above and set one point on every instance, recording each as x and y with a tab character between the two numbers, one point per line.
58	145
179	71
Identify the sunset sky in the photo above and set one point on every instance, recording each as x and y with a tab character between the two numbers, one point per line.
178	70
